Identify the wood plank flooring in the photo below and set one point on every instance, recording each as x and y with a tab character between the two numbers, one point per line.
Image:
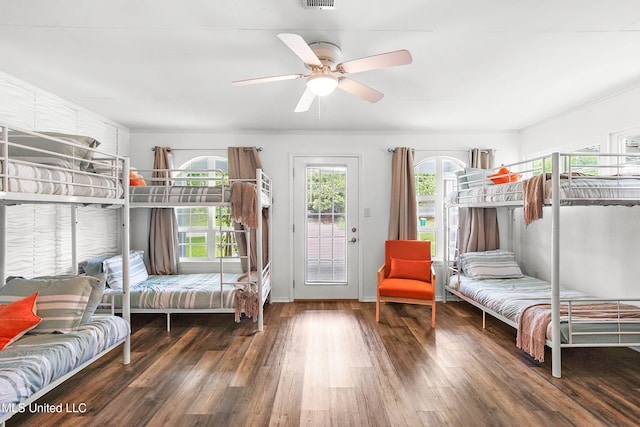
329	363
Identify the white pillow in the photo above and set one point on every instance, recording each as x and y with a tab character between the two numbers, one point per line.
112	267
497	264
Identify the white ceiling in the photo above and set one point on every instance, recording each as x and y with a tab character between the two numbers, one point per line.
477	64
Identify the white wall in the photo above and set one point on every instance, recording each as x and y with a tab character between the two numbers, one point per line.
599	245
39	236
277	149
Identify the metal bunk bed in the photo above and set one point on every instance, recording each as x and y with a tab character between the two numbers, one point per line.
53	169
179	189
606	183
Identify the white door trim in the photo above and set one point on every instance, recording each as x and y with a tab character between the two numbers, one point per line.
292	157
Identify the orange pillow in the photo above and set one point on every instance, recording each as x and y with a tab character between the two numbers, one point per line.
17	318
136	180
503	176
410	269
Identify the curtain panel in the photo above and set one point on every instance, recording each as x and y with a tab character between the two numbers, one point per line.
163	225
479	226
243	162
403	215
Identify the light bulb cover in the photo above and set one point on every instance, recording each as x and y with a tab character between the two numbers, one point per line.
322	84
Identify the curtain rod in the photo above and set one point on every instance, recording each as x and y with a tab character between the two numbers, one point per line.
391	150
204	149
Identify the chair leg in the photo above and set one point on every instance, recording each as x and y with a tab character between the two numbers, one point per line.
378	308
433	314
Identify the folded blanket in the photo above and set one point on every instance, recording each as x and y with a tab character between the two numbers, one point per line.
243	204
532	328
533	198
533	190
247	298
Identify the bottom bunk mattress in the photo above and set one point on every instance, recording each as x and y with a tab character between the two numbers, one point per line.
182	292
509	297
35	361
525	303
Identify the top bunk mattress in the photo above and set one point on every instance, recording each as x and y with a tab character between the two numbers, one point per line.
41	179
177	195
575	191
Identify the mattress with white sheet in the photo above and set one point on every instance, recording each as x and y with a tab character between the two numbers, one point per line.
577	190
35	178
35	361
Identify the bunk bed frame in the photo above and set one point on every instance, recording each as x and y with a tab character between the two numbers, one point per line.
622	189
78	188
192	193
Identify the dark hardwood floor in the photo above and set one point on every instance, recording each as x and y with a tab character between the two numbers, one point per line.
329	363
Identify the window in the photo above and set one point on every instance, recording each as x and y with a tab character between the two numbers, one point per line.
434	179
632	163
205	233
579	163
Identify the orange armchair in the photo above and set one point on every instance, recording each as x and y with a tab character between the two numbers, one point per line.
407	275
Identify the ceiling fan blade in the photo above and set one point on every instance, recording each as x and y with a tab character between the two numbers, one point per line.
305	101
267	79
383	60
360	90
300	48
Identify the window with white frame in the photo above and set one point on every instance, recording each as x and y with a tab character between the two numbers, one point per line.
205	233
585	161
434	178
631	145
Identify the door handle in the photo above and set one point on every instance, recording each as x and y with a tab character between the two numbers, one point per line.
353	240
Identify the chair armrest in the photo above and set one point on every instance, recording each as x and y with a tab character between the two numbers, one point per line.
433	276
380	274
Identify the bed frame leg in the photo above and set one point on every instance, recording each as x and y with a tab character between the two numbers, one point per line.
484	320
168	322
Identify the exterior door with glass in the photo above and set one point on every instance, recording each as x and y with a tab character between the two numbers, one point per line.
325	226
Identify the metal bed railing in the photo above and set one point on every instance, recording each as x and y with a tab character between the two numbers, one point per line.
613	178
56	168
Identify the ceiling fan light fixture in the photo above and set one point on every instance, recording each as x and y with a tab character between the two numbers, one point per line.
322	83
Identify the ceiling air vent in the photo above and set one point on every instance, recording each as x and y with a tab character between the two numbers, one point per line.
319	4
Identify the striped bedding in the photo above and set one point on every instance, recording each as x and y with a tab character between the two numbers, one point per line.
181	291
509	297
177	194
35	361
32	179
591	191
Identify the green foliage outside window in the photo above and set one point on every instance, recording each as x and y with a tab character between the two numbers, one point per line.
326	192
425	184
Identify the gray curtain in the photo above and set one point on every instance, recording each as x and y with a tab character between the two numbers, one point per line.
243	162
479	226
481	158
478	230
163	226
403	215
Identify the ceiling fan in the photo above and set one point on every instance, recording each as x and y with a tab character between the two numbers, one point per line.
325	75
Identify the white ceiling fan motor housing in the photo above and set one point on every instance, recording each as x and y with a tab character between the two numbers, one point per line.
327	53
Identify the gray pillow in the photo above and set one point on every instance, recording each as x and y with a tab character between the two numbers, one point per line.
61	303
93	266
82	156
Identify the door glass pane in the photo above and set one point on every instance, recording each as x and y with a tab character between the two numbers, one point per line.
326	241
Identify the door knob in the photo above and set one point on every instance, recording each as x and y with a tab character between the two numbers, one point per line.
353	240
